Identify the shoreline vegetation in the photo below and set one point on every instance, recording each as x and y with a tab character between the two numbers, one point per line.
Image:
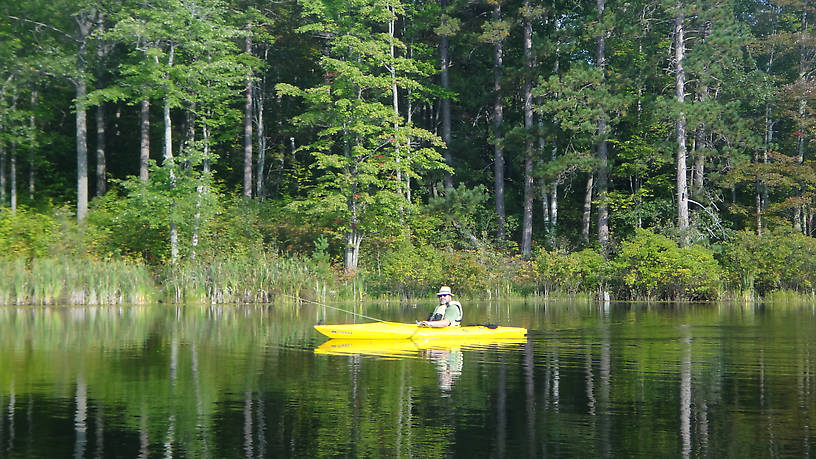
48	260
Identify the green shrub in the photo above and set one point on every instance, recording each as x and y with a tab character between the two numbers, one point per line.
584	271
651	266
782	259
464	273
407	269
26	233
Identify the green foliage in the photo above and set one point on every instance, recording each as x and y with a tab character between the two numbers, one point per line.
137	224
363	147
27	233
464	272
462	212
558	272
782	259
651	266
408	269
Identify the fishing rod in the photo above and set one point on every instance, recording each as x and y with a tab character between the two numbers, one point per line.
334	307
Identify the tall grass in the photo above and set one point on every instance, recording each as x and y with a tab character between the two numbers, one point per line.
256	278
75	280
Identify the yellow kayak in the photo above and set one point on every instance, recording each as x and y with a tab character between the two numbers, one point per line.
399	348
396	330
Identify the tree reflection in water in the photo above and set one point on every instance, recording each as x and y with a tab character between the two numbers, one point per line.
254	381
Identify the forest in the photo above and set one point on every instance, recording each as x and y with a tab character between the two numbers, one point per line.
241	150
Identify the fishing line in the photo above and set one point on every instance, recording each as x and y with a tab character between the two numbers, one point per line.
334	307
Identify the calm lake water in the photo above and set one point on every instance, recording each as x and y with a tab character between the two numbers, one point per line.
629	380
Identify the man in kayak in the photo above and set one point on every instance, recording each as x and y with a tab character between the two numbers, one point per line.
448	313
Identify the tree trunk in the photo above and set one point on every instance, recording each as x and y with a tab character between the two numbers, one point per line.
587	209
32	125
13	178
353	234
13	165
700	146
392	70
82	151
84	23
698	167
260	102
603	207
409	121
758	205
248	125
545	204
554	154
447	180
800	147
168	162
353	240
144	139
680	125
527	220
800	159
168	132
554	207
498	138
3	182
101	170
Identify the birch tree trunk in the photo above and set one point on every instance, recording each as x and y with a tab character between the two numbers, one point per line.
168	160
392	70
32	125
101	170
13	165
445	108
800	146
409	121
353	235
84	24
585	219
3	182
260	102
527	219
554	154
248	124
144	139
498	138
680	124
543	188
762	188
603	208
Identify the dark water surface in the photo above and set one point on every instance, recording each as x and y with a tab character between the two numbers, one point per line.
628	380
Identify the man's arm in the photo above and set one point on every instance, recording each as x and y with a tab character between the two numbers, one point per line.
434	323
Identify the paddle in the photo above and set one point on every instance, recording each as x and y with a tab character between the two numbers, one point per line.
490	326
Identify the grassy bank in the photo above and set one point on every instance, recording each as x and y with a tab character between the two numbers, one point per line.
75	281
265	278
46	259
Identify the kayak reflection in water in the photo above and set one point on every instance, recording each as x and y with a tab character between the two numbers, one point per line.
448	365
448	313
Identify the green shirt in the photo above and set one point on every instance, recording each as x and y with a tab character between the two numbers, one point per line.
451	311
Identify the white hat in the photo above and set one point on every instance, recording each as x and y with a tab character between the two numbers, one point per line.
444	290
